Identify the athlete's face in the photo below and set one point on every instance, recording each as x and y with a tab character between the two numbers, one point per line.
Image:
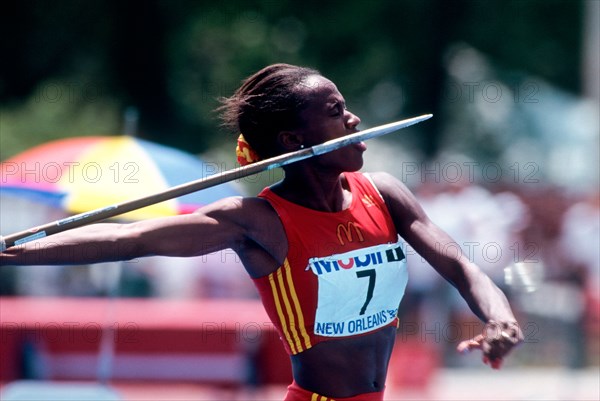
325	118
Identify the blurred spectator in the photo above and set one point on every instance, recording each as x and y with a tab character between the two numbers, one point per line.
580	241
485	225
579	244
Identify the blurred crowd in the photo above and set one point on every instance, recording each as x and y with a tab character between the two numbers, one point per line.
540	246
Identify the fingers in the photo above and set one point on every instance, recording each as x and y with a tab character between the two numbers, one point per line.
497	340
494	363
478	343
489	353
469	345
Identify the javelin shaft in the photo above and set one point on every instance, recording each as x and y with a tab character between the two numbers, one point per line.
86	218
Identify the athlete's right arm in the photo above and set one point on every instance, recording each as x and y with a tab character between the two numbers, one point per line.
221	225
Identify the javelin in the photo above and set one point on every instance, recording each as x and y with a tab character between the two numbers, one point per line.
83	219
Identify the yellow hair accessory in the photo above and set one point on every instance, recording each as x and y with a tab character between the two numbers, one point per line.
244	152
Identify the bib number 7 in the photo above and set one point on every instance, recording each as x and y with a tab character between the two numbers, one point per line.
371	275
358	291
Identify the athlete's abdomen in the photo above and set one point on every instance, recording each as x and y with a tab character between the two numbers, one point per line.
346	367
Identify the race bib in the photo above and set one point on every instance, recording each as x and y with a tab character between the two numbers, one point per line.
360	290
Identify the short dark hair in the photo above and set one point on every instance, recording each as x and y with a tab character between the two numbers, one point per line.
267	103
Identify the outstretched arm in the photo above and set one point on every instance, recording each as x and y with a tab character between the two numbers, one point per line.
484	298
212	228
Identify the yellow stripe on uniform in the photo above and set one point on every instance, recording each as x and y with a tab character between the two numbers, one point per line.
317	397
288	308
301	325
280	312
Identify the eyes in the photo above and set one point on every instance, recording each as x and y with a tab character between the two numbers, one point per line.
337	109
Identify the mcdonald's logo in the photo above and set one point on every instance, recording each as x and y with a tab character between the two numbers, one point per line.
347	230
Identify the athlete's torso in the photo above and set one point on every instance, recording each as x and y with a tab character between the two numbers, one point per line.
338	290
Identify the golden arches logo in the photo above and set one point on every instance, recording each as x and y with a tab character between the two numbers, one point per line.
347	229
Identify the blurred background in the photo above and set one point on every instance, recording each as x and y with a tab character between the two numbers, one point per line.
509	166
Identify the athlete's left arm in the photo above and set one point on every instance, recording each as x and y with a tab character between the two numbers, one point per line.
484	298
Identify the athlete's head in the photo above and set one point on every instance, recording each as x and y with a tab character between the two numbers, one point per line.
267	103
283	108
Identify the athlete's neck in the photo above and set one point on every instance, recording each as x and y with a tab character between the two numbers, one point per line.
323	192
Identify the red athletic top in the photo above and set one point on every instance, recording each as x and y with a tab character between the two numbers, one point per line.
344	274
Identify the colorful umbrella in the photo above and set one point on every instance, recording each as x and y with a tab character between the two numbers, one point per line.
86	173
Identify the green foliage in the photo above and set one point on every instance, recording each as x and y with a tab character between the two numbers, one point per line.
172	60
57	109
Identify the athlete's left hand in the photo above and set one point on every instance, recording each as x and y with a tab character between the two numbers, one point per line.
496	341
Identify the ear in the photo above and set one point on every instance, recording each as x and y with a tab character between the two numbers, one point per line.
290	140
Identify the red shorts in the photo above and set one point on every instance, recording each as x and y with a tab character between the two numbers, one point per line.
297	393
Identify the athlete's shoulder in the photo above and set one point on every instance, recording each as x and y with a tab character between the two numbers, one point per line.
385	182
396	194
